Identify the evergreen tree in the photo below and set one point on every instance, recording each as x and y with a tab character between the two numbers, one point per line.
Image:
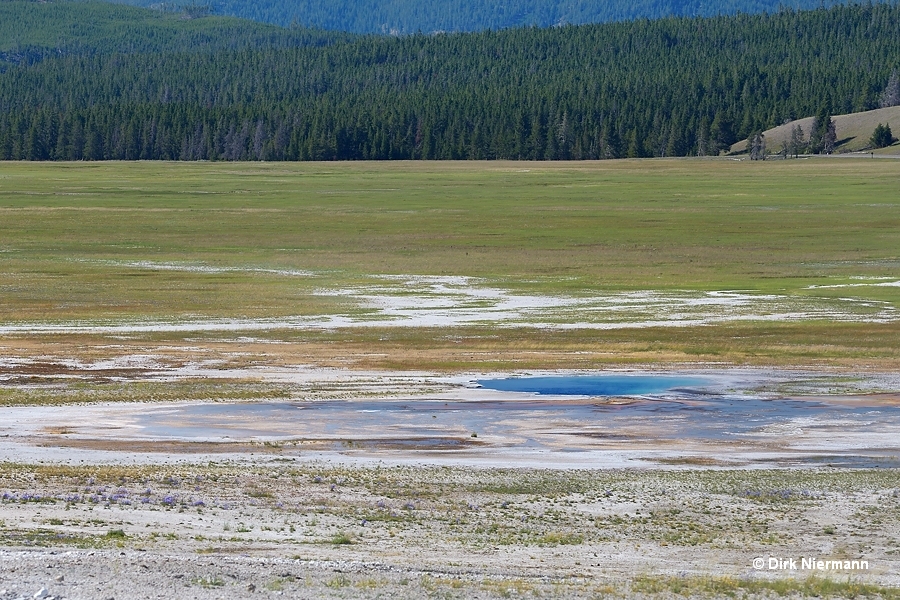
823	134
829	135
798	141
756	146
703	137
882	136
721	134
891	94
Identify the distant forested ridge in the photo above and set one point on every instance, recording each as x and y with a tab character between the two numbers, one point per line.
670	87
429	16
30	31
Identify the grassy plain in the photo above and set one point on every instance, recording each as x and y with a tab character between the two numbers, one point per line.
621	225
129	243
107	242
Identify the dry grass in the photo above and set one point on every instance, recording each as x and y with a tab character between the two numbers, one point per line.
857	347
853	131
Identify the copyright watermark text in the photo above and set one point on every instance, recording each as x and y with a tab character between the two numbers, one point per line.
808	563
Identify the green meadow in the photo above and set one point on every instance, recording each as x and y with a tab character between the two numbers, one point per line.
102	242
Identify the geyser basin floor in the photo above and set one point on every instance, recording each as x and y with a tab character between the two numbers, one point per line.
691	418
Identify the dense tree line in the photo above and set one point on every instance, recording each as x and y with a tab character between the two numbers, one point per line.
647	88
428	16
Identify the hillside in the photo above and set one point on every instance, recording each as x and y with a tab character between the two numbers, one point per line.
672	87
411	16
853	131
32	30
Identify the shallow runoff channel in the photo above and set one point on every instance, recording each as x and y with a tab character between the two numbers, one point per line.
456	301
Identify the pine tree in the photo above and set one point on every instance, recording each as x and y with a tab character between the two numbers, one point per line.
634	145
823	133
610	144
882	136
721	134
891	94
798	141
703	137
756	146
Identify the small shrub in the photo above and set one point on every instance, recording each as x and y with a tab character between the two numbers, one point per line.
339	582
341	539
560	539
208	582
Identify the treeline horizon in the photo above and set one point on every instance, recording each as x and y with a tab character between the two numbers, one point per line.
31	31
405	17
673	87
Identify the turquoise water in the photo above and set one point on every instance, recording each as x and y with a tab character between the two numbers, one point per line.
594	385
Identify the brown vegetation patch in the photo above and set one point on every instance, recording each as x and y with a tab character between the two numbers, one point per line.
699	461
271	447
58	430
166	446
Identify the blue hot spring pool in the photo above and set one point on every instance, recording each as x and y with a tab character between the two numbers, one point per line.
594	385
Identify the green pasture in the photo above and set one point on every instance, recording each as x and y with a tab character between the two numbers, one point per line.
73	236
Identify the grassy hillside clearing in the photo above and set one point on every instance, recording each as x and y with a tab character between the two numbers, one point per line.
853	131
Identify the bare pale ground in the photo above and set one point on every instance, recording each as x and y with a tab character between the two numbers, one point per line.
264	527
95	510
853	131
